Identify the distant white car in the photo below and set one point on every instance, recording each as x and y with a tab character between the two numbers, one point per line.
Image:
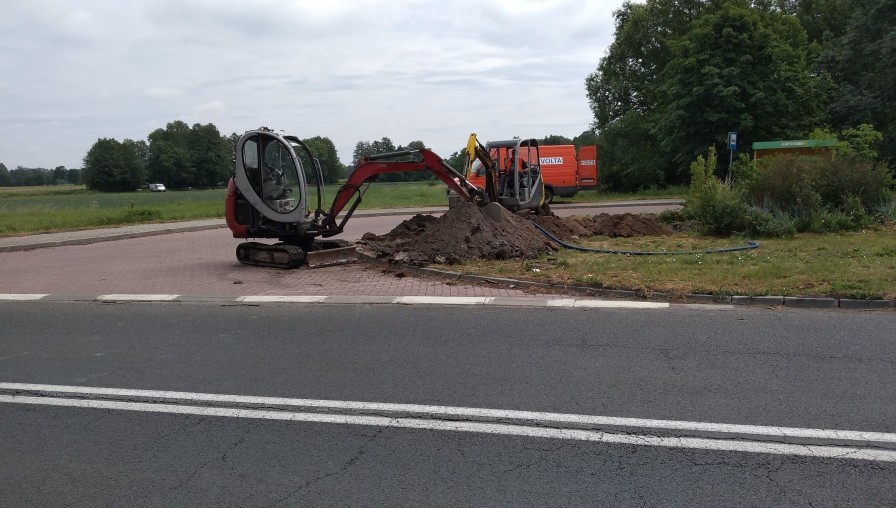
157	187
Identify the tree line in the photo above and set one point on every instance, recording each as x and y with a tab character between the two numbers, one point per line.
21	176
681	74
181	157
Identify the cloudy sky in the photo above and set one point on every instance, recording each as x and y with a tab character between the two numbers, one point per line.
72	72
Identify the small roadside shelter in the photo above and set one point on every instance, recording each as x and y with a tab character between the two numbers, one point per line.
763	149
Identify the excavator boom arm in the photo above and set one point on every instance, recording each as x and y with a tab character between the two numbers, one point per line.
475	151
372	166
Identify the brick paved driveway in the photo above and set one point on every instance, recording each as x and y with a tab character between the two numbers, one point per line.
202	263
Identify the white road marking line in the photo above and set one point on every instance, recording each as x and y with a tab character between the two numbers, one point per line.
617	304
733	445
13	297
283	299
434	411
136	298
445	300
562	302
605	304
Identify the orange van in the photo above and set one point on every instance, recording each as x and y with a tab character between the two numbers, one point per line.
564	173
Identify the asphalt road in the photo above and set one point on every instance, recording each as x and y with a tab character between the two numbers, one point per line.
790	371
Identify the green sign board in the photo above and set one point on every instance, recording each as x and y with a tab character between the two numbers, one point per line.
797	143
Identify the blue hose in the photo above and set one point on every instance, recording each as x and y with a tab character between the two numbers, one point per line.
750	245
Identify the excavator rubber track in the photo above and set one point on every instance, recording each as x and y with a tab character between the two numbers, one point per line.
278	255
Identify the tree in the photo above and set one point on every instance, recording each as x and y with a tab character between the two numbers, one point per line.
627	77
630	158
738	69
5	177
325	151
365	148
457	160
413	176
384	145
555	139
823	20
210	155
862	68
169	164
169	161
588	137
110	166
234	138
623	91
59	175
73	176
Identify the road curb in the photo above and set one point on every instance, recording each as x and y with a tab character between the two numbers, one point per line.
590	298
87	240
797	302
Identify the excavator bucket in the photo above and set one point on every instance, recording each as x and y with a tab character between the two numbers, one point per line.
330	257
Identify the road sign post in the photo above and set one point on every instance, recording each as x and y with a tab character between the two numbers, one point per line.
732	147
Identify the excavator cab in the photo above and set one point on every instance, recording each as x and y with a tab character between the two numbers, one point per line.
517	173
273	178
511	173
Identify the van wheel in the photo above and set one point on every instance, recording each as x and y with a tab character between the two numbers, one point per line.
548	195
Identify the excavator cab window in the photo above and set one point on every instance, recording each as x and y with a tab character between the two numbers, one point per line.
250	163
279	177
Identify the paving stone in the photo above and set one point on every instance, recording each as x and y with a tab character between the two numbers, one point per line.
846	303
766	300
810	303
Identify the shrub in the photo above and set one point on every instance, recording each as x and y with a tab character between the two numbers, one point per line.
814	183
885	209
763	223
786	195
719	208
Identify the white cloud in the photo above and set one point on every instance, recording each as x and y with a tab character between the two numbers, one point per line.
81	70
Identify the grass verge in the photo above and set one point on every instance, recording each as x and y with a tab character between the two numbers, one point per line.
858	265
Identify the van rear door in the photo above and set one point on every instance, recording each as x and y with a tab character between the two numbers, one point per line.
587	166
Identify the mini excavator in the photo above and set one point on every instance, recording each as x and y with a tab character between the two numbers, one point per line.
512	172
277	192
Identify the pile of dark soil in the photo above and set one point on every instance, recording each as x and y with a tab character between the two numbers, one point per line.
467	232
623	225
463	233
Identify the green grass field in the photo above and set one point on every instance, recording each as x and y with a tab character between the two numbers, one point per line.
29	210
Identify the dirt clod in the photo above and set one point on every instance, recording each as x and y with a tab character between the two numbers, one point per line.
467	232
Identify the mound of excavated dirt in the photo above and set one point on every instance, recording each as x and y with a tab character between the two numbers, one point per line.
614	226
465	232
468	232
